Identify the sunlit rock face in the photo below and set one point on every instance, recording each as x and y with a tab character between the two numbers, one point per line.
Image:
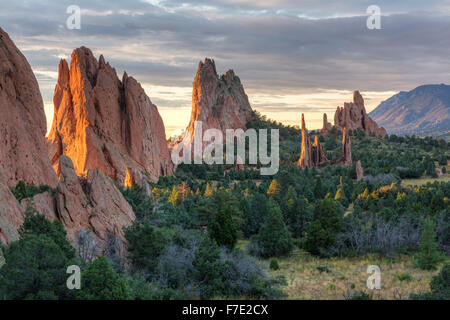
104	123
218	102
353	116
23	155
312	154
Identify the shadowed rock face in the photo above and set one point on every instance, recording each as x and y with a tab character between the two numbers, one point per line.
103	123
219	102
11	217
353	116
23	155
93	204
346	148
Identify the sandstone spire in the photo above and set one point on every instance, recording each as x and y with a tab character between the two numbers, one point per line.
326	125
359	171
104	123
305	154
353	116
218	102
23	155
346	148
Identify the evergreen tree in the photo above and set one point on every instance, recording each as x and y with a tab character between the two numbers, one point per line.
327	222
35	269
145	244
223	228
36	264
274	239
256	215
429	255
208	269
100	282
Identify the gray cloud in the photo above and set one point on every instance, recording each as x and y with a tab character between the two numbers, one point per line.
269	46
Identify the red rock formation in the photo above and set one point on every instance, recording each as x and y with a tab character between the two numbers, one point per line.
346	148
353	116
326	125
359	171
103	123
220	103
11	217
91	204
23	155
305	154
311	154
318	157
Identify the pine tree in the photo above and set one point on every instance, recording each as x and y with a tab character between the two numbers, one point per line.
327	222
100	282
223	229
429	256
274	239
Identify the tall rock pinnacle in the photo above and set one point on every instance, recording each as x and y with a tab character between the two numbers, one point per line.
219	102
305	154
104	123
353	116
346	148
23	155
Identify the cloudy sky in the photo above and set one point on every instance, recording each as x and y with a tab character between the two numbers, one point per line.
292	56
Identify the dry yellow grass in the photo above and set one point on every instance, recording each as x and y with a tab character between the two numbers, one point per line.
305	281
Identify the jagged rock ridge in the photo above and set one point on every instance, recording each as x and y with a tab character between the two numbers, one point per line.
104	123
354	116
218	102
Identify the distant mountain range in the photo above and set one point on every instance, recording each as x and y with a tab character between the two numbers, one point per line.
424	111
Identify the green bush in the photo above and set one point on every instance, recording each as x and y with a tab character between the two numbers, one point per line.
274	264
22	191
100	282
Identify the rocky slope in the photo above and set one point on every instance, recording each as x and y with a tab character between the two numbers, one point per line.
81	204
104	123
218	102
23	155
422	111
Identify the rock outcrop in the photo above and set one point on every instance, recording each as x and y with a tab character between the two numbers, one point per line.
326	125
353	116
311	154
23	155
346	148
218	102
305	154
104	123
92	203
11	217
359	170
